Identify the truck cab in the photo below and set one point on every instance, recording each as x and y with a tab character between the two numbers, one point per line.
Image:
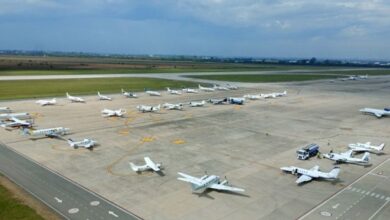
307	151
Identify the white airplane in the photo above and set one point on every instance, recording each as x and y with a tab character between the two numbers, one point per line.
86	143
349	78
74	98
48	132
149	165
152	93
232	87
363	76
189	90
44	102
5	110
207	182
346	157
253	97
170	106
197	104
15	122
366	147
377	112
7	116
111	113
206	89
217	101
280	94
129	94
103	97
147	108
313	173
219	87
267	95
235	101
173	92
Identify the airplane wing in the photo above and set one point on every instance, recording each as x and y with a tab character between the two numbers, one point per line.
189	179
151	164
303	178
225	187
287	169
53	135
315	168
347	153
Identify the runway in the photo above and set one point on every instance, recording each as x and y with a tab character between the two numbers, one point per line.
68	199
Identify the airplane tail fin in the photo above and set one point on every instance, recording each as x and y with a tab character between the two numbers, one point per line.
158	107
123	91
67	94
366	157
99	93
380	147
25	131
133	167
285	92
168	89
334	172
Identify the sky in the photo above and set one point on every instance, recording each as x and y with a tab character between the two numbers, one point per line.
346	29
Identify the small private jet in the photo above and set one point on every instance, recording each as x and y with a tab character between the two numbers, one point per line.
273	95
74	98
149	165
207	182
219	87
235	101
86	143
206	89
152	93
377	112
253	97
148	108
44	102
306	175
189	90
5	110
170	106
173	92
197	104
218	101
231	87
113	113
103	97
15	122
129	94
346	157
48	132
366	147
7	116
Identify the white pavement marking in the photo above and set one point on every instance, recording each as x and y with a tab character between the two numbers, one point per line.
94	203
342	190
73	211
58	200
335	206
113	214
377	211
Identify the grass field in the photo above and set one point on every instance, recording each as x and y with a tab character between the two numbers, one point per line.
19	89
264	77
11	208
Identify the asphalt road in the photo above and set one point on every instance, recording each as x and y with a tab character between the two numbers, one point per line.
68	199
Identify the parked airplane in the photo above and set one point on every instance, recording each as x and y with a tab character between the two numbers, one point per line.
189	90
129	94
377	112
219	87
74	98
5	110
103	97
7	116
15	122
111	113
363	76
313	173
86	143
206	89
149	165
232	87
346	157
366	147
170	106
152	93
253	97
147	108
173	92
207	182
197	104
48	132
236	101
44	102
280	94
218	101
274	94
